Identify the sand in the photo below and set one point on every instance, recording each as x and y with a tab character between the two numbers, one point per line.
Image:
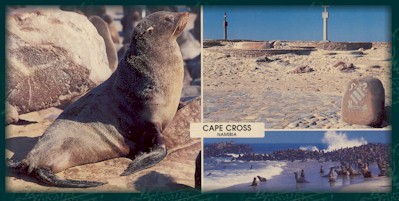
237	87
374	185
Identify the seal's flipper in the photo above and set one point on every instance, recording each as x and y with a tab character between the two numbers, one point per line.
153	150
15	165
146	160
48	177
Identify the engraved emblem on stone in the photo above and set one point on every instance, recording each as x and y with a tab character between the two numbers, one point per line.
358	93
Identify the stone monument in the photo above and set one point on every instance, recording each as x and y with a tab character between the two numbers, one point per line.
363	102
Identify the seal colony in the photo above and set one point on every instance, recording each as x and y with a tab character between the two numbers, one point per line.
122	117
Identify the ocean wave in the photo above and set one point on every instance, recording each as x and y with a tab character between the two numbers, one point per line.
309	148
336	141
228	174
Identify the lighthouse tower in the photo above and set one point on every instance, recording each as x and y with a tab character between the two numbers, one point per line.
225	26
325	29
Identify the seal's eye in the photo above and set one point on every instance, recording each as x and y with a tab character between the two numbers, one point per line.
169	18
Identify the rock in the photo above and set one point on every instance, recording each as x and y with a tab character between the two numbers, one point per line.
194	67
342	66
211	43
343	45
225	149
363	102
302	69
191	90
265	59
339	63
11	114
190	86
103	30
377	45
275	44
196	82
52	56
178	131
189	46
252	45
112	28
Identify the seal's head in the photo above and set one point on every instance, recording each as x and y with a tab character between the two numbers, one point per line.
161	26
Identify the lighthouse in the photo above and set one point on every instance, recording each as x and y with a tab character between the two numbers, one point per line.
225	26
325	28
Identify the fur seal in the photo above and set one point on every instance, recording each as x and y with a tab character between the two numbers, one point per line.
302	173
104	32
300	179
122	117
254	182
262	179
331	177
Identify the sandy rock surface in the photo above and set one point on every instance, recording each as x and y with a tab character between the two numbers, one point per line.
248	87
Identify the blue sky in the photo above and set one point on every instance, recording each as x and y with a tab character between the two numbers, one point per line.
375	136
345	23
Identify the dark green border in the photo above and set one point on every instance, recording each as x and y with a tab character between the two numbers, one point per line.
194	195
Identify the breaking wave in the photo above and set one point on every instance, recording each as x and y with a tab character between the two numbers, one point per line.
338	140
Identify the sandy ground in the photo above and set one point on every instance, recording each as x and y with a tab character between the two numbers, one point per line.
375	185
237	87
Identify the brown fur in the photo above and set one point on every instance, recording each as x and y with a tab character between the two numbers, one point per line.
110	120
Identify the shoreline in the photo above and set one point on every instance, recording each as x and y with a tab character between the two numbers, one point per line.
380	185
284	182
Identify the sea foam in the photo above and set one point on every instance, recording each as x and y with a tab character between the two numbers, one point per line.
336	140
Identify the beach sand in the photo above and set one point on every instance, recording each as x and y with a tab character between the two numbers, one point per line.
236	176
375	185
237	87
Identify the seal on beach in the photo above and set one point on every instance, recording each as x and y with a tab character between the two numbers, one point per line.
262	179
330	173
331	178
124	116
352	172
254	182
302	173
365	171
343	171
301	179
